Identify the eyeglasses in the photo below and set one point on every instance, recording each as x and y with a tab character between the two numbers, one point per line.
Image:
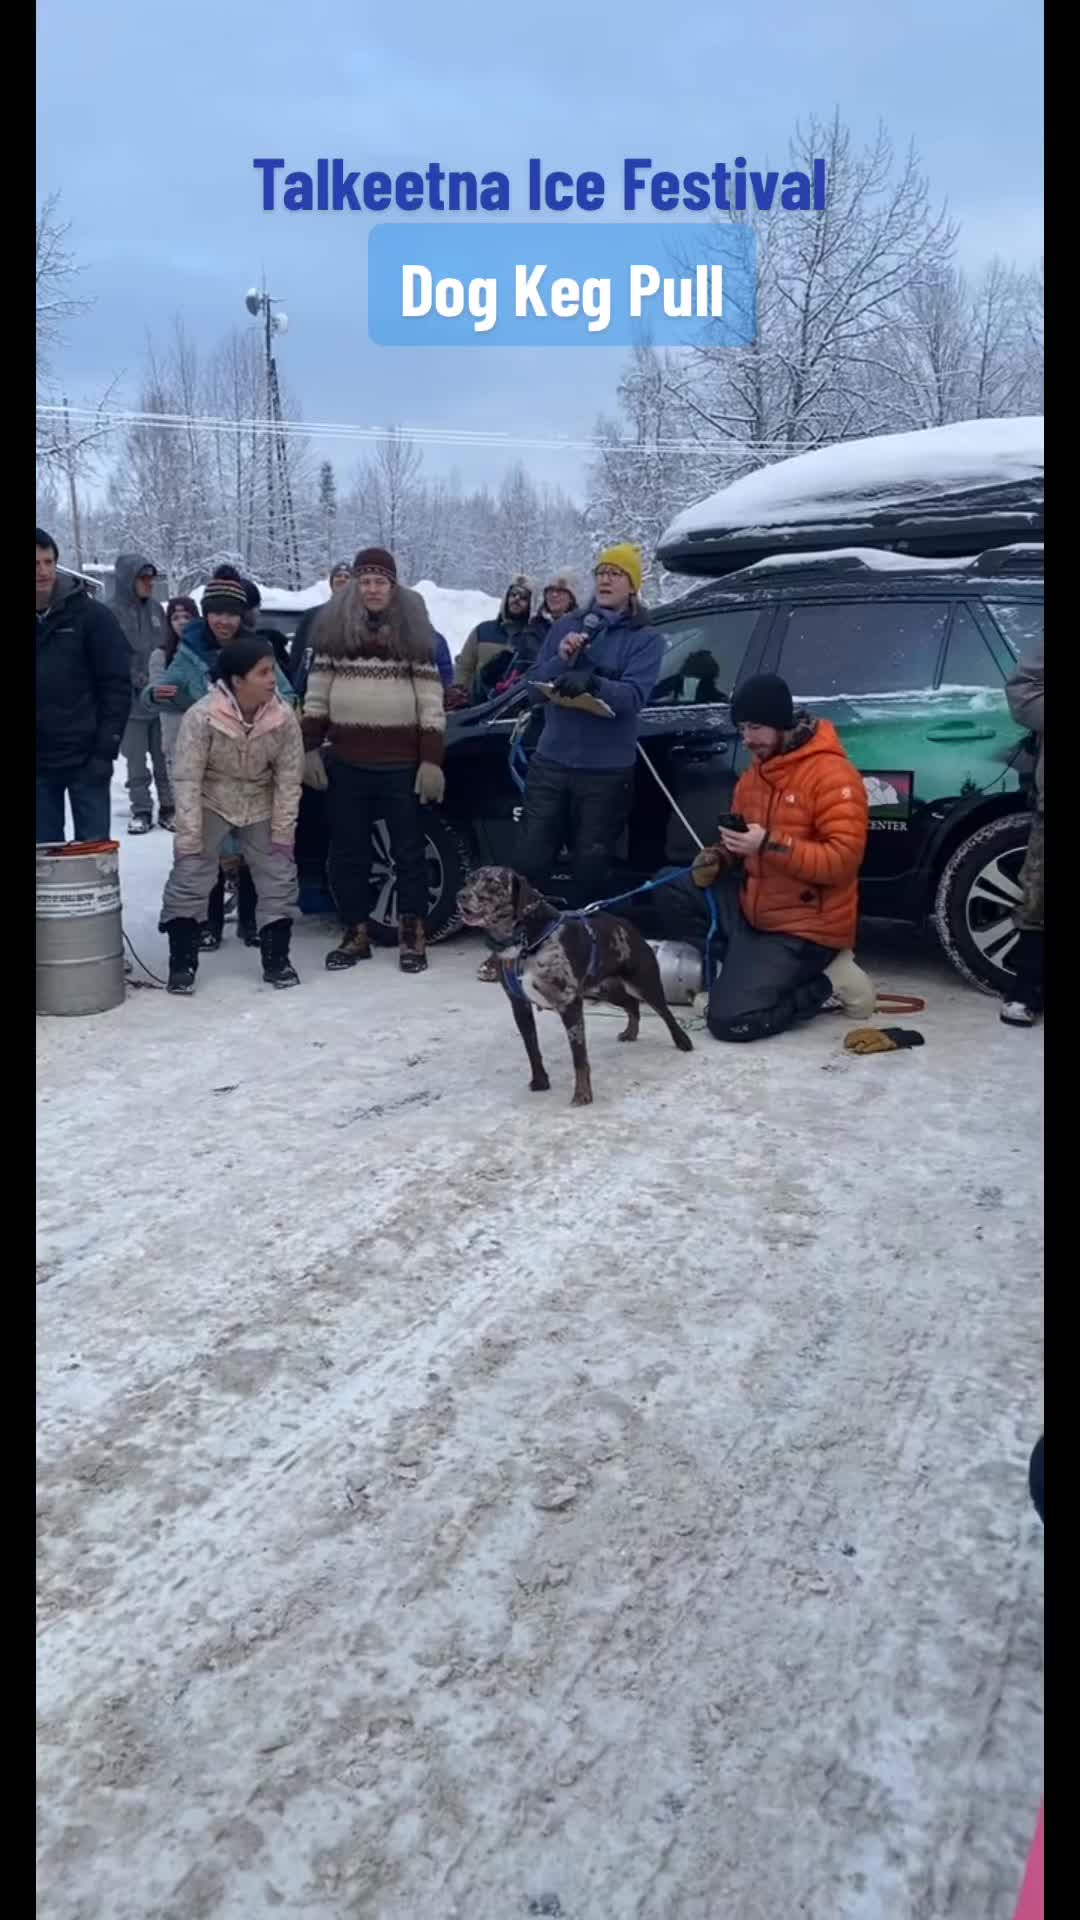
609	573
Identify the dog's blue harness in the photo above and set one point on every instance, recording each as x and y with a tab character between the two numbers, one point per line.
512	973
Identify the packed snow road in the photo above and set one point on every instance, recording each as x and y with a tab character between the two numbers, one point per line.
455	1504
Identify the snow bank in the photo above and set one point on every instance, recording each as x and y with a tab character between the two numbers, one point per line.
860	476
453	611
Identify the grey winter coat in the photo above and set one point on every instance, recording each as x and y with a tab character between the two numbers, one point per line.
1025	696
142	621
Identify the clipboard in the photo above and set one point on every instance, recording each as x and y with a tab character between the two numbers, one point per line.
581	703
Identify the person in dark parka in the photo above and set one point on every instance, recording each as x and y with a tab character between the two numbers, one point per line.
83	699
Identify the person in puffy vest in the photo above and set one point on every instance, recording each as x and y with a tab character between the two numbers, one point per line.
143	622
494	641
781	898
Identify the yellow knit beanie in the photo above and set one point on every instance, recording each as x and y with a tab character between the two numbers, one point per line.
628	560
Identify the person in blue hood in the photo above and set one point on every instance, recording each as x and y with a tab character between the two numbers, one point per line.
581	776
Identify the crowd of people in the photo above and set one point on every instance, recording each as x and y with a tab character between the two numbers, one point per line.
227	722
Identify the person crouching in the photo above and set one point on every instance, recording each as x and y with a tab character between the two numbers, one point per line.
239	758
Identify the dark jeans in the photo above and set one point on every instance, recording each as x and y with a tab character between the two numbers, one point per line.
584	811
357	798
767	981
90	807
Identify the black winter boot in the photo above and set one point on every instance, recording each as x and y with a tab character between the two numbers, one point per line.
183	955
277	969
214	925
412	944
246	906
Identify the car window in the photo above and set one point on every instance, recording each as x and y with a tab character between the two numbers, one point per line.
868	646
1021	621
968	660
703	658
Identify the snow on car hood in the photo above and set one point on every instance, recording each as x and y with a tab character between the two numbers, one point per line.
861	476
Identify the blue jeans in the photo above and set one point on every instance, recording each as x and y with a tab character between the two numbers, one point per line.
90	807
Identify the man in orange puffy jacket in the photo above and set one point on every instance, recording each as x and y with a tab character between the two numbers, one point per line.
783	896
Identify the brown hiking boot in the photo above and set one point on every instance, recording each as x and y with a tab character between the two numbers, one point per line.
354	945
412	945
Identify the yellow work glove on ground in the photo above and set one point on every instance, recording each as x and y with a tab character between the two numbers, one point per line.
882	1039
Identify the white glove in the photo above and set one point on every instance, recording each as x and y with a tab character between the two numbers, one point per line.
430	783
314	774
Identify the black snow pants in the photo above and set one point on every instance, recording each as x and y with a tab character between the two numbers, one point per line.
766	981
584	811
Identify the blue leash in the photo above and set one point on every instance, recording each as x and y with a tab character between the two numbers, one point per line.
513	978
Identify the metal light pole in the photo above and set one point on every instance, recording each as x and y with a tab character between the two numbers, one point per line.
278	483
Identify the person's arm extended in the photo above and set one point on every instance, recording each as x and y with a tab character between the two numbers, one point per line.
841	824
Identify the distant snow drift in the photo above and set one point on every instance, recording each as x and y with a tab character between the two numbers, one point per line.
453	611
862	476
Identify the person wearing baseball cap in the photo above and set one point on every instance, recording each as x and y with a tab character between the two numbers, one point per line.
581	777
780	889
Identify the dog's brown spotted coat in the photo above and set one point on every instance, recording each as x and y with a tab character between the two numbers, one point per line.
561	963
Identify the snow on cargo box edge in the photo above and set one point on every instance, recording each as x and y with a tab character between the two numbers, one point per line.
858	476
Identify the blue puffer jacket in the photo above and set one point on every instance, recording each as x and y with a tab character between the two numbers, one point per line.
189	672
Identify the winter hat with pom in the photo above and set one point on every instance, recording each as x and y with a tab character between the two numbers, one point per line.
627	558
341	569
376	560
224	595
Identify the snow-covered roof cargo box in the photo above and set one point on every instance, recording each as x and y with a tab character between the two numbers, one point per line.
943	491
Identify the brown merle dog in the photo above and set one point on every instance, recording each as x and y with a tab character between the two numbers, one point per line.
558	961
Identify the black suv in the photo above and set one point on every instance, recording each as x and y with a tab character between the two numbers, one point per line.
909	660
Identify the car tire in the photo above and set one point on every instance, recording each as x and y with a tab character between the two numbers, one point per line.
450	862
977	897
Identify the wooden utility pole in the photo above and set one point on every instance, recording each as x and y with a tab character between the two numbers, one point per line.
73	496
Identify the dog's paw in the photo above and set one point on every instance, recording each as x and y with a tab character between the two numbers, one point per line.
683	1042
583	1098
541	1084
628	1033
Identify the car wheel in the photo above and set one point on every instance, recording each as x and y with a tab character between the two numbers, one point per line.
977	898
449	862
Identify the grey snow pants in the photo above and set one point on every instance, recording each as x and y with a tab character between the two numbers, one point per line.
142	736
192	880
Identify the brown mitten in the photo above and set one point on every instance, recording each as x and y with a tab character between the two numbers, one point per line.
882	1039
708	865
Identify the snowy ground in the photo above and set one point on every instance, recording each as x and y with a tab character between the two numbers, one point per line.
455	1504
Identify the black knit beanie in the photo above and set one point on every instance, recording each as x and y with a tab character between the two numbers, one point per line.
764	701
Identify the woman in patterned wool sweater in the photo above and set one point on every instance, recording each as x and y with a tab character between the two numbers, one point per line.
374	697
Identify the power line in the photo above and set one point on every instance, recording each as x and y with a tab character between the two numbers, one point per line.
117	418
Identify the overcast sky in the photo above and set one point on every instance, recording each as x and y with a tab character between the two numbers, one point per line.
149	118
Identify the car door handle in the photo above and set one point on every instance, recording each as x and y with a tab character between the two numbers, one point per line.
960	733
